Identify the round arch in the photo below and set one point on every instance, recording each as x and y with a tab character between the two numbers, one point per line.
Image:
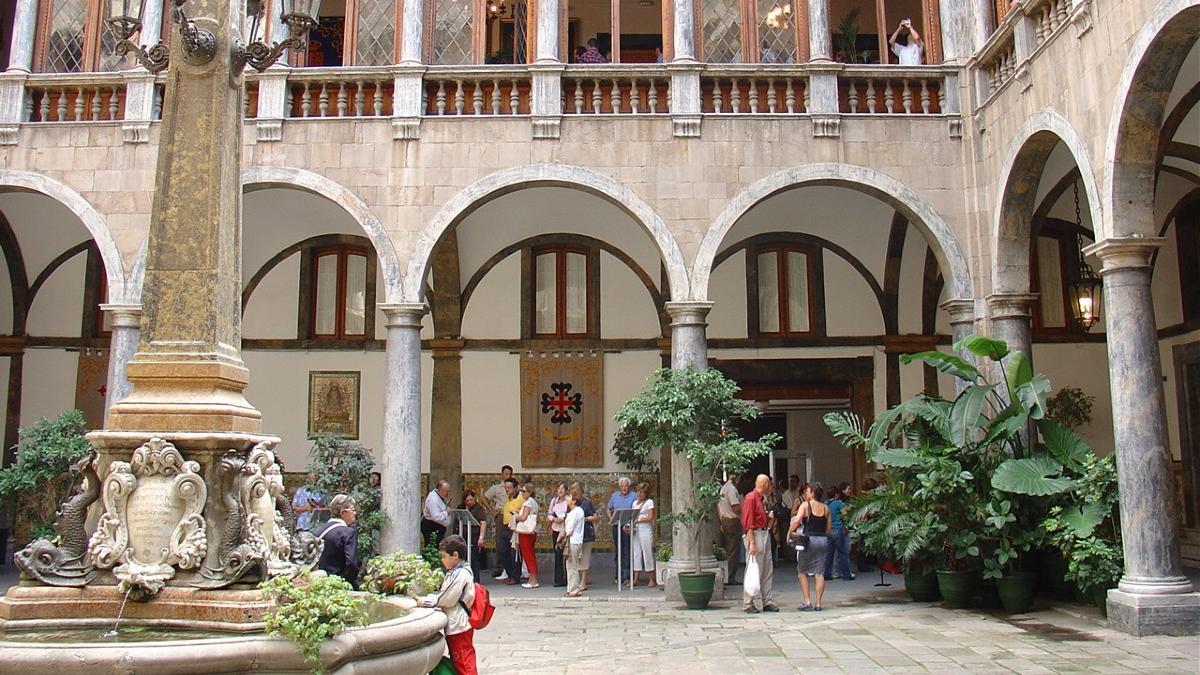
260	177
859	178
114	266
474	196
1016	197
1156	56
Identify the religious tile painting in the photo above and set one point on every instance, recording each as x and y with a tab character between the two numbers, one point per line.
562	409
333	397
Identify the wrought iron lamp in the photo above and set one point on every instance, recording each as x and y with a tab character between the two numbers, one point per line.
200	45
1086	289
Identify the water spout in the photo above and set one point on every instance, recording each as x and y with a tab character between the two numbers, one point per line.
113	633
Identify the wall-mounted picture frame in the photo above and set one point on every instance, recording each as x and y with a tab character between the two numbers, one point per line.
333	398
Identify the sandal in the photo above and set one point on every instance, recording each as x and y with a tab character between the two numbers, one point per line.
816	609
529	586
571	595
806	607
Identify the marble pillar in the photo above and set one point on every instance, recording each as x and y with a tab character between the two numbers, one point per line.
20	54
547	32
152	18
1012	320
683	36
413	25
400	467
126	322
689	349
1154	597
819	41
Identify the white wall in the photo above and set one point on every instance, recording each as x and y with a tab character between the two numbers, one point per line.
47	383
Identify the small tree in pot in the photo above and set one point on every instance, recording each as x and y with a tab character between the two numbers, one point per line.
691	412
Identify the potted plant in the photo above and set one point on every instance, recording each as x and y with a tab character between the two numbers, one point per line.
401	574
661	557
692	412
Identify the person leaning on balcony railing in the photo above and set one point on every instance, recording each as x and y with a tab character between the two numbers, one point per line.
592	53
907	44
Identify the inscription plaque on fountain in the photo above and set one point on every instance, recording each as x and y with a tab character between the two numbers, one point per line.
153	512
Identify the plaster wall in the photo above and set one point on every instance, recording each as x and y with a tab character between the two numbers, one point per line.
48	385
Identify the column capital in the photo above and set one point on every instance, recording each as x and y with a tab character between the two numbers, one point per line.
961	310
1011	305
689	312
447	348
124	315
404	314
1125	252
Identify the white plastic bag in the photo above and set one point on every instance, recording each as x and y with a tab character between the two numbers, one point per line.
750	582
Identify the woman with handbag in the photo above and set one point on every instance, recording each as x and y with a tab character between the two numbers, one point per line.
556	514
811	524
526	529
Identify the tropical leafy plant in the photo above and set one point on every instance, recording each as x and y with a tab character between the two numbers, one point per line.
344	467
310	609
41	478
847	34
692	412
1087	529
402	574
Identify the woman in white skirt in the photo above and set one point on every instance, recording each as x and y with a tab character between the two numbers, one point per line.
643	536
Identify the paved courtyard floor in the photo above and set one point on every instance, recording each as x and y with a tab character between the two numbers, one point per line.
862	629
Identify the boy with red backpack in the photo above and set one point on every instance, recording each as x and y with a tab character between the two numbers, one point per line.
466	604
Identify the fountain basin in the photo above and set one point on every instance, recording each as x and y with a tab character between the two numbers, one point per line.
409	642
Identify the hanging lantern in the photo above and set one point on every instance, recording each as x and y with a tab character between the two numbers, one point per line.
1086	289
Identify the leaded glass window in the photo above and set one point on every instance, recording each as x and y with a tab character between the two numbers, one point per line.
453	32
776	43
65	36
375	43
722	31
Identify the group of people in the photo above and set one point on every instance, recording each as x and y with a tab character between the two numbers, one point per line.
814	529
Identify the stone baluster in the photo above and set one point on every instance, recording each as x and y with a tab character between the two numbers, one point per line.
789	97
852	95
718	101
514	99
906	97
752	96
126	322
441	97
459	97
477	96
323	101
496	96
735	96
360	99
1154	596
400	467
652	96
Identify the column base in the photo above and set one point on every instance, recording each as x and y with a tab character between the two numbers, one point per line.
707	564
1142	614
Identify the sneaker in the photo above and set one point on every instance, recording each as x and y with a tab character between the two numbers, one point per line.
503	576
770	608
751	610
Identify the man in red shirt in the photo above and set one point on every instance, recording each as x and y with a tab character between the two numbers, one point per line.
756	523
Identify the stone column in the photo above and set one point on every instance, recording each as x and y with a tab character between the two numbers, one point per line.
20	54
819	41
414	28
1012	319
547	32
962	324
684	32
140	83
152	18
445	416
689	349
400	467
1154	597
126	321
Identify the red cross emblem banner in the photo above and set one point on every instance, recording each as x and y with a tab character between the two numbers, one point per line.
562	409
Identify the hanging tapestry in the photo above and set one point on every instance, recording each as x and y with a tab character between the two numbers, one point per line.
562	410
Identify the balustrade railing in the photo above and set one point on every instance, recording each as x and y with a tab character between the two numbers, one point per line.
998	63
339	92
475	91
599	90
77	98
892	90
1048	17
770	90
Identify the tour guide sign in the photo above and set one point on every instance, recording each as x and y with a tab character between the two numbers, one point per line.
562	409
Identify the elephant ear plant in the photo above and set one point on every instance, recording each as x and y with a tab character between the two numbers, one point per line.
692	412
963	476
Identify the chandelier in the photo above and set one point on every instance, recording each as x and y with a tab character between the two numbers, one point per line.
497	9
779	16
1086	288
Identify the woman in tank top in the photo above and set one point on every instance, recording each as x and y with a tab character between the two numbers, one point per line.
812	519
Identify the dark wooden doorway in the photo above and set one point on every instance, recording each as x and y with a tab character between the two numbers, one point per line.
1187	383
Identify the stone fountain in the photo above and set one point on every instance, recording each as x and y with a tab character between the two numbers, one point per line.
180	511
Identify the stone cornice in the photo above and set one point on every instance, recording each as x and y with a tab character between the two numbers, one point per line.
1119	253
690	312
404	314
1011	305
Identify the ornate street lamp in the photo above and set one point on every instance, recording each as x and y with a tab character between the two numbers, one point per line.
1086	289
200	45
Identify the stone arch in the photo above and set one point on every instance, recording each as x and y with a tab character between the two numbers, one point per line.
1016	197
260	176
579	178
114	266
1156	56
859	178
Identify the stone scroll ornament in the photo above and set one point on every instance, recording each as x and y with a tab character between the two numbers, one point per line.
152	523
66	563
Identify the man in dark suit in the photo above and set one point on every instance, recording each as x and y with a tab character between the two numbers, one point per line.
340	556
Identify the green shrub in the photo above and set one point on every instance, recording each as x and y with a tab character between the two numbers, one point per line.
310	609
664	553
402	574
344	467
41	479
